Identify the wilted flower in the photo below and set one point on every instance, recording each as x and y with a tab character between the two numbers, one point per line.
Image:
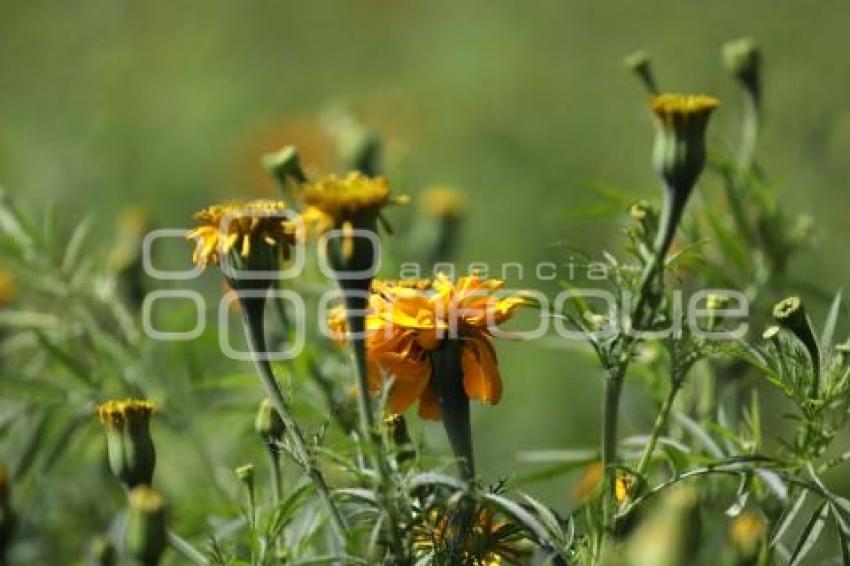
146	535
129	445
406	325
441	537
254	235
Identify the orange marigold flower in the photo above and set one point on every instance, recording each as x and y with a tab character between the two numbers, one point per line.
405	324
240	228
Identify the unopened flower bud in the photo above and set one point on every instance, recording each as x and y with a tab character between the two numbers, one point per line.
246	475
640	63
146	535
283	165
446	205
748	536
268	423
679	153
102	552
742	57
791	315
128	441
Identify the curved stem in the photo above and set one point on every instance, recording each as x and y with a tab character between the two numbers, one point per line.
252	310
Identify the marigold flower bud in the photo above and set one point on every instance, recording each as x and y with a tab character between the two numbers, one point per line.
640	63
791	315
146	536
284	164
679	153
128	441
742	57
245	474
268	423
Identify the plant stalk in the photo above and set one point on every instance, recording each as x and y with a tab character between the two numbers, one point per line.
252	309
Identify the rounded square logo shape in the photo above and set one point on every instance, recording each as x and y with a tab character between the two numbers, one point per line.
329	272
160	274
284	272
300	326
166	336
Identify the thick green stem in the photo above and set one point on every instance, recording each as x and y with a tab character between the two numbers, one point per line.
610	409
252	309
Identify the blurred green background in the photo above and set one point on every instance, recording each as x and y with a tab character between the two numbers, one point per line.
525	106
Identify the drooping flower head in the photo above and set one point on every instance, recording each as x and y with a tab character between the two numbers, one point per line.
406	325
254	234
129	445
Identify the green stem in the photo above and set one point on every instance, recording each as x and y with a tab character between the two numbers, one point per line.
355	306
658	427
252	309
610	409
277	487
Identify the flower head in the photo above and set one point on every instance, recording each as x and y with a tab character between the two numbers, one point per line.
255	233
129	445
748	533
488	542
333	201
405	325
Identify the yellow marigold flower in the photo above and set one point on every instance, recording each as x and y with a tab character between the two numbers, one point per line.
116	413
240	228
405	324
8	289
487	543
443	202
333	201
682	109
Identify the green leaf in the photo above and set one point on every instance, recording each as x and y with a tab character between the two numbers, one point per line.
75	244
811	533
547	517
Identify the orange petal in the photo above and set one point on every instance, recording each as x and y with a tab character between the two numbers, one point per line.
481	379
404	393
